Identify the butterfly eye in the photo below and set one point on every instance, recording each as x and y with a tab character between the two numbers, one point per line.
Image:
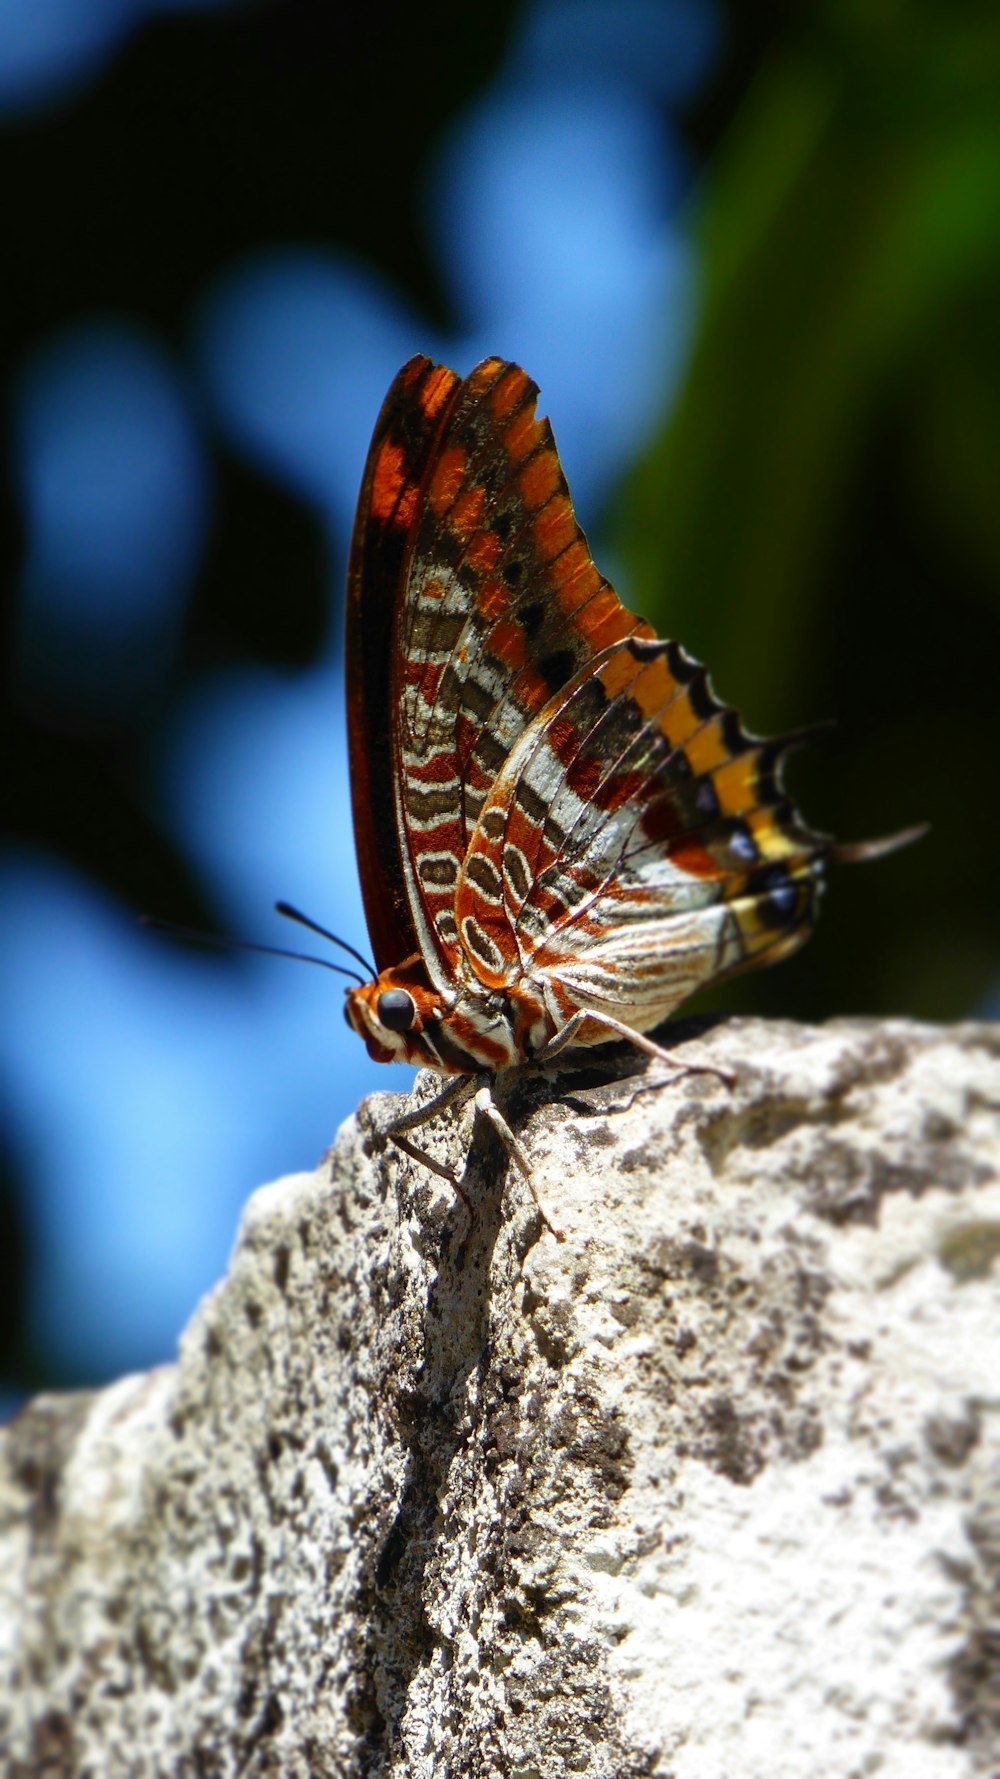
396	1010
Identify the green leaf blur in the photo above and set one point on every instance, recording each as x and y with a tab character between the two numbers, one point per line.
819	517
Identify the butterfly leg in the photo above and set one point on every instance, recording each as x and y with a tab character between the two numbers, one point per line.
487	1108
562	1039
435	1167
459	1089
617	1028
455	1094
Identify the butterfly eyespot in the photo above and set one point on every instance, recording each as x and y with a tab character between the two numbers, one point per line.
396	1010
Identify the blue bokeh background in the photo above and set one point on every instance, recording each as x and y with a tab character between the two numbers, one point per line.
752	257
148	1088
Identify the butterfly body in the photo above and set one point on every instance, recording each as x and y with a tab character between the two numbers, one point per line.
559	826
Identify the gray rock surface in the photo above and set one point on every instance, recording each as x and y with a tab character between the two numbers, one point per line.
711	1489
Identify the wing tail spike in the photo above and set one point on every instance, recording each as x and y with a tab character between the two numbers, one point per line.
793	739
860	851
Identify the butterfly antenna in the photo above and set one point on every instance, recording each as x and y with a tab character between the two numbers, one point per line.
221	940
291	913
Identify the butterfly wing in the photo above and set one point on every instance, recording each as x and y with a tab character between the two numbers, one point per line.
472	600
399	458
637	843
539	786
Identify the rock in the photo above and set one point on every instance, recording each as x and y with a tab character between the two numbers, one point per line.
710	1488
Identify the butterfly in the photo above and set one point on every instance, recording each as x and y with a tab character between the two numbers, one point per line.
561	832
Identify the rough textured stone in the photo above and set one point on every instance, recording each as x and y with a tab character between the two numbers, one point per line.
712	1488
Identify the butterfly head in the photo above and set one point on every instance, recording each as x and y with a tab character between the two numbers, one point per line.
403	1017
394	1013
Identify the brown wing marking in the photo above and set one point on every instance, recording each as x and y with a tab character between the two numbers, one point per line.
401	452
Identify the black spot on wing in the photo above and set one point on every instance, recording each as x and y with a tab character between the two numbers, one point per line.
734	736
557	667
702	700
681	664
531	617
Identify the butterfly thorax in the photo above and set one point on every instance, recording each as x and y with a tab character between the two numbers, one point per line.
403	1017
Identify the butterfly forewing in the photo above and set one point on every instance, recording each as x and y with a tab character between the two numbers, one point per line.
402	453
502	605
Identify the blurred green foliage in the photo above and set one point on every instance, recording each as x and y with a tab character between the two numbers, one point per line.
819	517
